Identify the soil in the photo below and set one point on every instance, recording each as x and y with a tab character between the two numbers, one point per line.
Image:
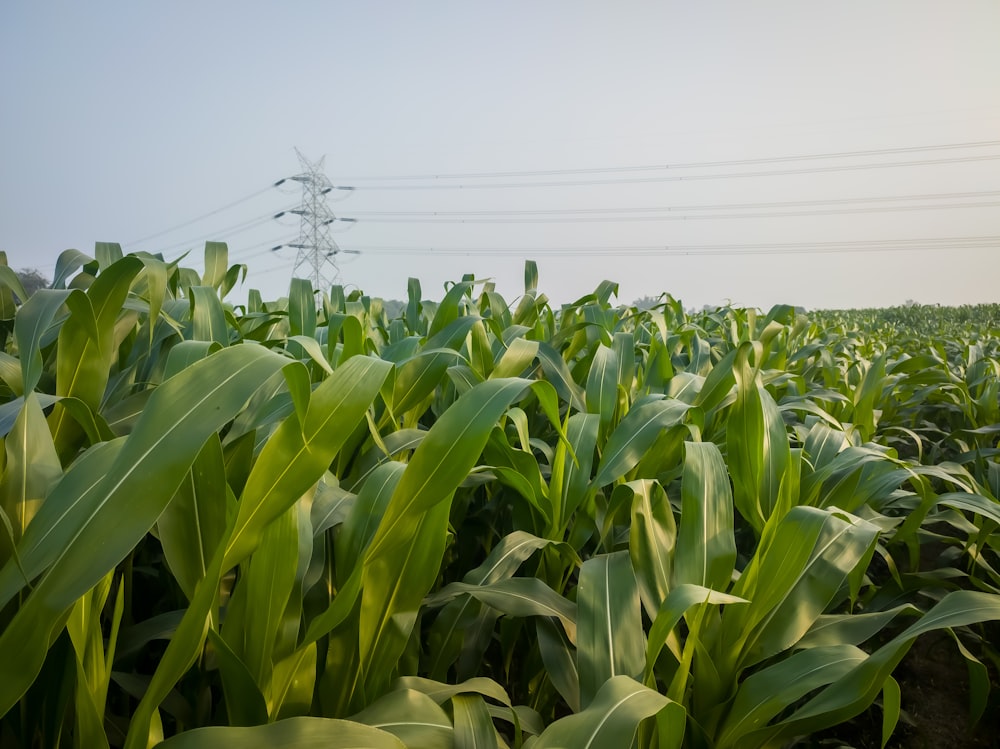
935	692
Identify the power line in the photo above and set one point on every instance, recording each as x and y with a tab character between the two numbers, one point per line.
702	207
221	234
681	216
687	178
679	165
735	249
195	220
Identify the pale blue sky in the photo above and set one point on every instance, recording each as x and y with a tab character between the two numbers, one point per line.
119	120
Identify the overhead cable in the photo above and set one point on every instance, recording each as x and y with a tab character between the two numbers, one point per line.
688	177
677	165
736	249
202	217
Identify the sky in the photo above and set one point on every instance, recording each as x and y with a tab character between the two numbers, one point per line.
127	121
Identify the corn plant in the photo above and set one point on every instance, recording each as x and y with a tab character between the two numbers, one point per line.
303	521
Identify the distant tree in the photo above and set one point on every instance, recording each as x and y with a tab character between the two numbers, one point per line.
393	308
647	302
32	280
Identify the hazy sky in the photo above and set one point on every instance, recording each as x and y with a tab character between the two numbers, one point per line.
119	120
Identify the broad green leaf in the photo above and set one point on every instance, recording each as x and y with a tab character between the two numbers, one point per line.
297	455
517	596
301	308
454	626
207	317
602	384
9	281
559	659
473	724
757	444
269	581
417	378
292	684
891	704
557	372
194	522
107	254
652	537
610	640
851	629
32	321
66	264
518	356
855	691
795	573
364	516
32	469
412	716
449	308
87	347
766	693
244	703
673	609
293	733
634	434
706	549
216	261
609	722
572	469
179	417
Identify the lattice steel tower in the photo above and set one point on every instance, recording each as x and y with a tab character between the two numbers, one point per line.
315	248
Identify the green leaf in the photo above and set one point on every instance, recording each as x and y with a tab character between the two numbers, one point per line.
766	693
517	357
269	581
634	435
795	573
757	444
244	703
452	631
194	522
87	347
473	723
297	455
207	316
602	384
559	659
178	420
216	260
676	605
412	716
652	536
107	254
706	547
364	517
66	264
891	703
609	722
517	596
574	459
610	639
301	308
856	690
293	733
33	319
32	469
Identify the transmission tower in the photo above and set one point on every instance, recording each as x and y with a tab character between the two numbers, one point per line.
315	248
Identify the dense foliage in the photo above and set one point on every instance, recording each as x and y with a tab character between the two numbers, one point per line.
478	524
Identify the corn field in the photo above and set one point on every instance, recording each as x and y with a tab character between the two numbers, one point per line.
301	523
